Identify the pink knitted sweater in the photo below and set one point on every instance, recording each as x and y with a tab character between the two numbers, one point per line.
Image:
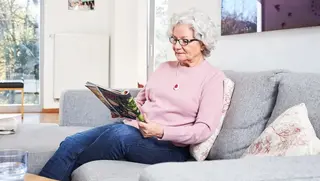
186	101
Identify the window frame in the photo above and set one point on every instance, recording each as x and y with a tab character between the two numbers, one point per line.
150	37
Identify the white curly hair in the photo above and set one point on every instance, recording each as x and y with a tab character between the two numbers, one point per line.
202	25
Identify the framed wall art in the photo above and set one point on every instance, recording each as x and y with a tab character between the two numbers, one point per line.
81	5
251	16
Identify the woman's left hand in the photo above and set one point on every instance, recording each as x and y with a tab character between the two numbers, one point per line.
150	129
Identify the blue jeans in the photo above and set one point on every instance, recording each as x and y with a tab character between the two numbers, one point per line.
116	141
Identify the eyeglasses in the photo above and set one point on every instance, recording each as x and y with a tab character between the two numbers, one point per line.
182	42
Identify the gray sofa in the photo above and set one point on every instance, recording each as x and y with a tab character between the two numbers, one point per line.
259	97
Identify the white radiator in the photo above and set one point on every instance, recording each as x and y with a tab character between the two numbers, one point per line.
78	58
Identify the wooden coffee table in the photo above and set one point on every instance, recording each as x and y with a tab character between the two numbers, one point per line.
32	177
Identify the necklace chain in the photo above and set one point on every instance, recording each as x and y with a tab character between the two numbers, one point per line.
177	69
176	86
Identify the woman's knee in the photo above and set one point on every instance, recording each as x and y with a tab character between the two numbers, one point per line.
71	146
123	132
69	140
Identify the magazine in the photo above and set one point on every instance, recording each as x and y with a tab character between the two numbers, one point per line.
119	102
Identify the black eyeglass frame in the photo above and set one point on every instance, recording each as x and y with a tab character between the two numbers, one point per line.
182	42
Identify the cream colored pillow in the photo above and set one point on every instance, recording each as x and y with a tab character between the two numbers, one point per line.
291	134
200	151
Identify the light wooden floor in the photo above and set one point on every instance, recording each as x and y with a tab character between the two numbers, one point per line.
34	118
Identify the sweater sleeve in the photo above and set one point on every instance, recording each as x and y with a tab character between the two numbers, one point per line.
208	117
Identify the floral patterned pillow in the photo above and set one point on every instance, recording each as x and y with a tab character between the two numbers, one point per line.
200	151
291	134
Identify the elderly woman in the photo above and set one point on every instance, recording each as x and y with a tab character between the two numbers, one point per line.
182	103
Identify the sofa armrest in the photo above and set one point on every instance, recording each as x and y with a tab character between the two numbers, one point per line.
83	108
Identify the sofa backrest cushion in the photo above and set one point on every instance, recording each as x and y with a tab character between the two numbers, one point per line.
250	109
296	88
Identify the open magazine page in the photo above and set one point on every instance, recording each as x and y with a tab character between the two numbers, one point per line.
131	105
95	90
123	102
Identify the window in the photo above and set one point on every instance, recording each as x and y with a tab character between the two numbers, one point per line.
20	50
158	39
161	27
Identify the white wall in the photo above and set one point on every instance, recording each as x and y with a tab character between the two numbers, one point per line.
128	59
58	19
127	26
295	49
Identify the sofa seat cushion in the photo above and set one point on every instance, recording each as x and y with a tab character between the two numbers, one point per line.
40	140
296	88
107	170
248	169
